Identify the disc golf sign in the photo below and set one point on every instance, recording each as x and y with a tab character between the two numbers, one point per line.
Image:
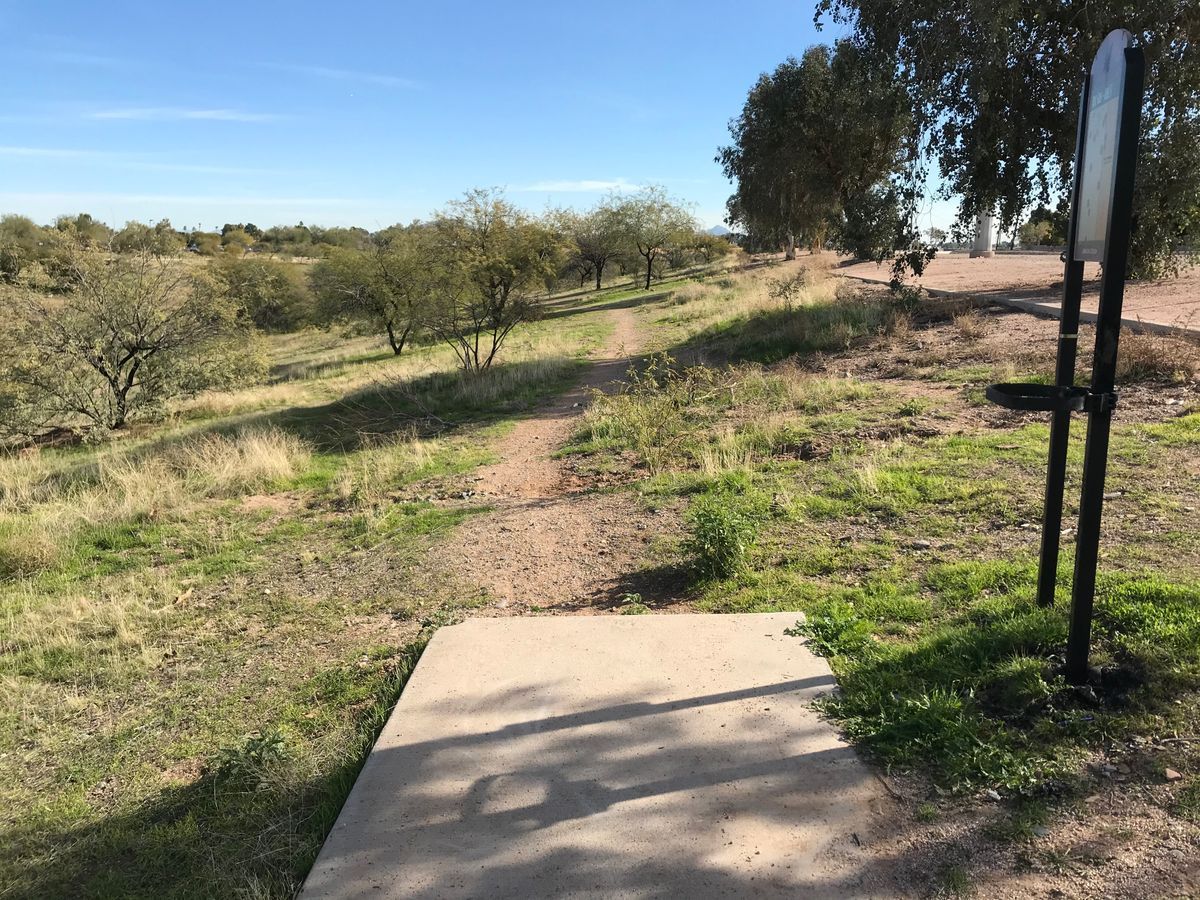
1099	173
1097	231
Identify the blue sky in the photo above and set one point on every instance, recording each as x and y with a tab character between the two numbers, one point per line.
371	113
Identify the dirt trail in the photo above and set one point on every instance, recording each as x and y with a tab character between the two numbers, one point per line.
550	543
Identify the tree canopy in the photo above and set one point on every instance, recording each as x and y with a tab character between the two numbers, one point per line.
490	256
134	331
995	90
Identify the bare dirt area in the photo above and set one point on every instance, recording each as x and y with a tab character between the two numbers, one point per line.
1110	845
552	543
1038	276
945	355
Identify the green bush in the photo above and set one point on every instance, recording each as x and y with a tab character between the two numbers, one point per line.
721	535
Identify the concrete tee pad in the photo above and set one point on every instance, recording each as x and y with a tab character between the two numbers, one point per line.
614	756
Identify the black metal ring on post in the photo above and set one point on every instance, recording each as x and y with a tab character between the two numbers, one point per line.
1038	397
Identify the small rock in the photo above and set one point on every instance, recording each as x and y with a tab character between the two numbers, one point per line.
921	545
1040	830
1172	775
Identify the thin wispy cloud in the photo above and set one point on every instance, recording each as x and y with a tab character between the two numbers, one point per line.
46	153
581	186
15	200
133	161
332	74
180	114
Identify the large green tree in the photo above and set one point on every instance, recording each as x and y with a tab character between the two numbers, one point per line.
271	293
815	137
995	89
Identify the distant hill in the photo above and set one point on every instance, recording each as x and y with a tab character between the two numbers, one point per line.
719	230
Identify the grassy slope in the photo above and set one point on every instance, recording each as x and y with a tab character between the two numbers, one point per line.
205	622
909	540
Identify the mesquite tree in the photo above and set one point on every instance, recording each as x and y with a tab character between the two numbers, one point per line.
387	285
488	259
653	223
132	332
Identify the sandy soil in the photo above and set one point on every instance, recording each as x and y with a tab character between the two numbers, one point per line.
1039	276
549	541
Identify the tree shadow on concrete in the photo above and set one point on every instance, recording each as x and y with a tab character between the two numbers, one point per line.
536	817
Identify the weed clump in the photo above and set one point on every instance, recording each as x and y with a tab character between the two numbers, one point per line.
834	629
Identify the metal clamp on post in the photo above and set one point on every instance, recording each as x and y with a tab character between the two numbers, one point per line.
1104	401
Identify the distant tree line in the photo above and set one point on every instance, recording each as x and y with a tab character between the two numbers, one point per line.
106	325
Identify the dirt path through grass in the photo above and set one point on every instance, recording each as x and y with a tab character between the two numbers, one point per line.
551	543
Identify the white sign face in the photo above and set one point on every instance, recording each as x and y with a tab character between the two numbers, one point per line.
1105	92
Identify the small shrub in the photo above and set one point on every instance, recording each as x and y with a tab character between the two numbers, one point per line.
27	548
907	298
632	605
649	414
1017	687
250	765
721	535
1187	803
790	291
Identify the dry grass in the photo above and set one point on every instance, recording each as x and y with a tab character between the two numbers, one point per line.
1156	357
702	306
42	507
366	481
971	325
249	461
110	627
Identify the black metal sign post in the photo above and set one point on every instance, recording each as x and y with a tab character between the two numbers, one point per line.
1101	212
1064	377
1122	69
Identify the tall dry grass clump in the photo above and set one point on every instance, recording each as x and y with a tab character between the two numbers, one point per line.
1156	357
368	478
250	460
